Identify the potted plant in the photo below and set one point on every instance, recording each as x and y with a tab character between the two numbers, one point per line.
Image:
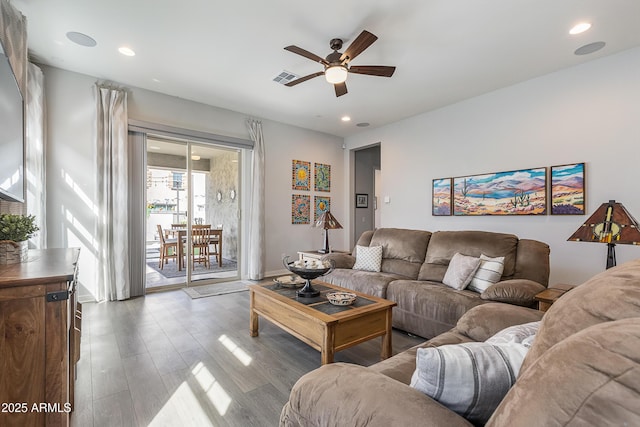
15	231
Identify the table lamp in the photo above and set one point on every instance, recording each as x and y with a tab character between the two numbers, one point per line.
612	224
327	222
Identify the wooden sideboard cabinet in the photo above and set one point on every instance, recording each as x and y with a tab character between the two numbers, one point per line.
39	338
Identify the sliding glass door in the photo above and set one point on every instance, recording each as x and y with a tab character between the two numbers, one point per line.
191	213
215	208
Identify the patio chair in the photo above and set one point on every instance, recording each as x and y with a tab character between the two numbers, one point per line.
200	246
168	248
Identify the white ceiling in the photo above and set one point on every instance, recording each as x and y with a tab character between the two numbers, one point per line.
226	53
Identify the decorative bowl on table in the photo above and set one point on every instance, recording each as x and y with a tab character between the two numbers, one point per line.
308	270
290	281
341	298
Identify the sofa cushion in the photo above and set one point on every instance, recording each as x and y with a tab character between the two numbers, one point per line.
484	321
367	282
471	378
428	308
515	291
611	295
460	271
532	262
489	272
401	366
444	244
368	258
340	394
592	378
402	244
403	250
364	240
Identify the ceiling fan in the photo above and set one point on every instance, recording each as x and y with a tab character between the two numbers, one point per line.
337	65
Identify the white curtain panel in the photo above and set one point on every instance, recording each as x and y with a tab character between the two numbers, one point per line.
257	249
113	175
34	154
137	211
13	31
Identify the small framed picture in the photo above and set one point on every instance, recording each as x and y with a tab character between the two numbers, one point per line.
567	189
362	200
441	191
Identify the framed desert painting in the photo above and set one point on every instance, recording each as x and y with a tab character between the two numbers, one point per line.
520	192
567	189
441	197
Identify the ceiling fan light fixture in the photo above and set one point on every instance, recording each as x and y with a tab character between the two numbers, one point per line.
336	74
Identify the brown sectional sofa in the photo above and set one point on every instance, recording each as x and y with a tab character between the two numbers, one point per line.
583	368
414	263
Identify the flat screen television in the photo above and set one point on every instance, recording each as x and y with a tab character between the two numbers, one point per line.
11	133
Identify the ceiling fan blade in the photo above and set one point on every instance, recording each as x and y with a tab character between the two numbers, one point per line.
363	41
306	54
304	79
373	70
341	88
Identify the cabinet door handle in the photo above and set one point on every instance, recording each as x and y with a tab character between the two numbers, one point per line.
57	296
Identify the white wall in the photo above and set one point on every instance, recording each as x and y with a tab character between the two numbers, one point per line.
71	165
588	113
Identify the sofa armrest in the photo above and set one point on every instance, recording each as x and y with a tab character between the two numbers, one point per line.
514	291
484	321
342	394
341	260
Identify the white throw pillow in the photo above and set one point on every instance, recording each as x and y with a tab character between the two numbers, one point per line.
368	258
471	379
489	272
460	271
518	334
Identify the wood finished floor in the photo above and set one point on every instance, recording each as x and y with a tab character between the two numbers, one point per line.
168	360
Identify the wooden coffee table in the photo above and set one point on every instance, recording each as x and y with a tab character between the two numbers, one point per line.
325	327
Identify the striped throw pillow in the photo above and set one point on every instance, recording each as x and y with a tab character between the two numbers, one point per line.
489	272
471	379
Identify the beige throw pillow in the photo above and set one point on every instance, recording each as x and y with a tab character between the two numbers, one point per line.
460	271
368	258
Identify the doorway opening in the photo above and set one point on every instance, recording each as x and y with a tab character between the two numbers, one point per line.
192	230
366	163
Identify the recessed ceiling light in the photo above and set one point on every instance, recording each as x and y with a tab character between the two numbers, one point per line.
580	28
589	48
126	51
81	39
346	119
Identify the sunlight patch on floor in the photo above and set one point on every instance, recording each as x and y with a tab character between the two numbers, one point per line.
189	404
183	407
239	353
212	388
